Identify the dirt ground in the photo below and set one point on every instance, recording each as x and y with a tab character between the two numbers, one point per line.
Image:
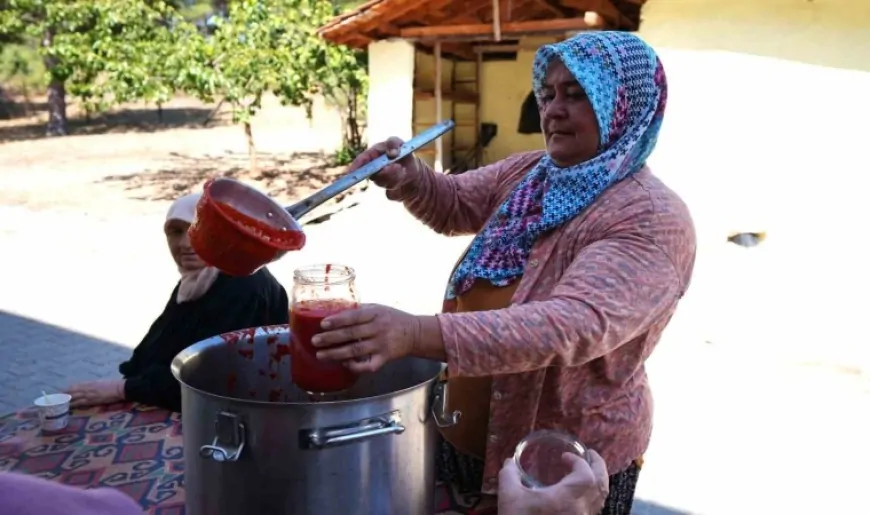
128	155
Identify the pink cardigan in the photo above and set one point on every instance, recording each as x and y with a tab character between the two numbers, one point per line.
595	297
28	495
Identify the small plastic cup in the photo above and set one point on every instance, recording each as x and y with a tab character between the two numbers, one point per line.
538	457
53	411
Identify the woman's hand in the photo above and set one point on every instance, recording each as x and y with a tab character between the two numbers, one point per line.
368	337
582	492
395	175
94	393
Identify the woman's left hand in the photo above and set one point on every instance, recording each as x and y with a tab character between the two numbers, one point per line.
582	492
368	337
94	393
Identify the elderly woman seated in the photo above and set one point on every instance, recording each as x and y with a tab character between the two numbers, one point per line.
204	303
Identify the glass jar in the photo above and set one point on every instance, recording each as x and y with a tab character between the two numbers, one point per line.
319	291
538	457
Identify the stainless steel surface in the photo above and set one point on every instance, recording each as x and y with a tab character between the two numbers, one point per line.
390	423
229	440
439	407
368	452
305	206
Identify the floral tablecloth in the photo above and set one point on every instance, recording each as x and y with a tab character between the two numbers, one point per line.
133	448
138	450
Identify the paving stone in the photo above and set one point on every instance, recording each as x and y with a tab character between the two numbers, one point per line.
35	356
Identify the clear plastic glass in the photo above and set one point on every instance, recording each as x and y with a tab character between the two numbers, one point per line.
538	457
319	291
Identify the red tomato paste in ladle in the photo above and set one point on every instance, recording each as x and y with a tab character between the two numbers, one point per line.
238	229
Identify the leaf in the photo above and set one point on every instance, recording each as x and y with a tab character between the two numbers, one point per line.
114	51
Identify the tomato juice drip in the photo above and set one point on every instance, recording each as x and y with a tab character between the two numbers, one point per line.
308	372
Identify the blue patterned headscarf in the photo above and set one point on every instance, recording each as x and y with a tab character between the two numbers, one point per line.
625	83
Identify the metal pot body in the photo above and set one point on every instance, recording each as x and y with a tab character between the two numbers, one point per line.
256	444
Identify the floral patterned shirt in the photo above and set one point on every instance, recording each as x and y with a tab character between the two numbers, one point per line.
594	299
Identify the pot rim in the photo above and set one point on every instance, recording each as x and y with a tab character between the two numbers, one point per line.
192	351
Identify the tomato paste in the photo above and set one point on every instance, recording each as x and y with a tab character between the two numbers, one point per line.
284	239
236	243
308	372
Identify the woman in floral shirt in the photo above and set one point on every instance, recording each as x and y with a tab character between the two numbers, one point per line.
580	258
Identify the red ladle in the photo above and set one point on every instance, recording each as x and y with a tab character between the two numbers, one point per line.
238	230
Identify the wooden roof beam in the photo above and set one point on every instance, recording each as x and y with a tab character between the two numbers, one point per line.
496	20
389	17
469	11
485	29
459	50
482	11
495	49
553	8
460	14
605	8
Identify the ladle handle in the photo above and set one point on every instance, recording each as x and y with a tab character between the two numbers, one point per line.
305	206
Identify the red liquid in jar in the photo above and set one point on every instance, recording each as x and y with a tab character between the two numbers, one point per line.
309	373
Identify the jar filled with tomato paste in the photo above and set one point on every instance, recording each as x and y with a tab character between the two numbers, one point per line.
319	291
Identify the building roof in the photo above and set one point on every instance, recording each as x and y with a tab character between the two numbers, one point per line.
473	19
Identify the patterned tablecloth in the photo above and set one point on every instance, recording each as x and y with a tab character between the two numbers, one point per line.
136	449
133	448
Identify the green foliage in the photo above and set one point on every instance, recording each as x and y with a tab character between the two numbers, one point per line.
346	154
127	54
347	5
107	52
21	68
271	46
104	51
344	83
195	10
264	46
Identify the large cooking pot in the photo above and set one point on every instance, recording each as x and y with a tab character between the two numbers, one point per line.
256	444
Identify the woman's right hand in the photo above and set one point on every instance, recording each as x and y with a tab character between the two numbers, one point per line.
394	175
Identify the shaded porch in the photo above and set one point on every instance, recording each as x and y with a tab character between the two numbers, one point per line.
465	60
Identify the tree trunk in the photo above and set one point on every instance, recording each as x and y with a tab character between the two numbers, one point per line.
352	120
252	149
56	94
28	105
159	112
213	112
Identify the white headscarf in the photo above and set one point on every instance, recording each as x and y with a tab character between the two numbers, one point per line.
194	284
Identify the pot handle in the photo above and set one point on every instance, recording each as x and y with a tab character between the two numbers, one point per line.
229	440
439	406
390	423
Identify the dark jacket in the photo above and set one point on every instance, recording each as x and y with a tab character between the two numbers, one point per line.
232	303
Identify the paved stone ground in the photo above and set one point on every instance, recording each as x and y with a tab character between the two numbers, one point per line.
38	356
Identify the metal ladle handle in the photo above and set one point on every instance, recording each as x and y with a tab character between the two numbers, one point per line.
305	206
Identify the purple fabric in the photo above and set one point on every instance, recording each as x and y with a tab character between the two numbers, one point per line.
28	495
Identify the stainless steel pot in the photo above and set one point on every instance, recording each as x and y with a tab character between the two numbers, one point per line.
256	444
